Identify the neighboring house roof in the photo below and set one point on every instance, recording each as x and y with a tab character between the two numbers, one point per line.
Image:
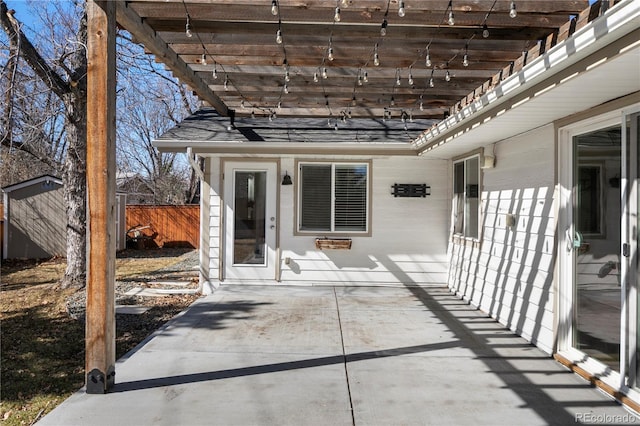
29	182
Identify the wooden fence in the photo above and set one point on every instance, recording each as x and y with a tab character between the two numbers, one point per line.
163	226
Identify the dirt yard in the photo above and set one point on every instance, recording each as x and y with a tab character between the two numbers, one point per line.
42	325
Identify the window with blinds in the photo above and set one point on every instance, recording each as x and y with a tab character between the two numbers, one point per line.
333	197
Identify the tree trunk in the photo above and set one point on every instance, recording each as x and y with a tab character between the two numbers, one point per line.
74	179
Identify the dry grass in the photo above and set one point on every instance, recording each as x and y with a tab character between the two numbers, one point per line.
42	358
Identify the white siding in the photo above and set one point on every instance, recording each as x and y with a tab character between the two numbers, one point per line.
408	239
509	274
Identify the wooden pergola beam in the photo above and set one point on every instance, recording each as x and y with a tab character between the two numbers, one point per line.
101	167
144	34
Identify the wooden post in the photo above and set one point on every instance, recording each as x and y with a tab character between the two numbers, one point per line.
101	152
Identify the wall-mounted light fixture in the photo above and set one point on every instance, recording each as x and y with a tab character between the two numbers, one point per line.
286	179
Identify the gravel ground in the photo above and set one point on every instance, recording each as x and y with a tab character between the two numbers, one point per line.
183	270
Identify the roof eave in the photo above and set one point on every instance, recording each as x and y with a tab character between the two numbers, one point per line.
617	23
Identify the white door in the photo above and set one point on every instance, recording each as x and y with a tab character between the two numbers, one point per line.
250	195
598	247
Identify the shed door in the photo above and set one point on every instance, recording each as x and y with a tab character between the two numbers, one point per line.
250	220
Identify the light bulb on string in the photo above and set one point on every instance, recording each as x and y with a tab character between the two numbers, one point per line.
242	104
465	58
336	15
353	100
325	74
279	36
330	54
427	59
376	58
203	59
447	76
315	77
431	82
279	106
187	28
286	88
393	101
401	11
410	77
365	78
485	31
451	20
226	83
512	10
359	79
287	77
215	71
383	27
274	7
398	82
421	104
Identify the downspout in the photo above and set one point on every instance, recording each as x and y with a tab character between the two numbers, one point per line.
194	164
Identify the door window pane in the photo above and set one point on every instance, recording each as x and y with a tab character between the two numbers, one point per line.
597	168
249	217
466	197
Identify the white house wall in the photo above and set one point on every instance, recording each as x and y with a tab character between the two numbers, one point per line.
509	273
408	239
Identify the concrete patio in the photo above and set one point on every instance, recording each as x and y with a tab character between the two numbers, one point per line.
275	355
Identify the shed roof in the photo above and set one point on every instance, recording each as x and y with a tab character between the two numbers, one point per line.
33	181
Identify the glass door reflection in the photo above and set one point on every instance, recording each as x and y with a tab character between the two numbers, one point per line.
249	212
597	306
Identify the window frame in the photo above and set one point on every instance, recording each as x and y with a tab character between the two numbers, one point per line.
461	236
298	198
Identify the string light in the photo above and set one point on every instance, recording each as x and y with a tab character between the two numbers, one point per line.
279	106
286	88
383	27
401	11
376	57
187	27
512	10
330	54
279	36
274	7
431	82
315	76
242	104
325	74
485	31
398	82
336	16
286	75
203	59
365	78
410	77
447	76
421	104
353	100
359	79
427	59
465	58
393	101
215	71
226	83
451	21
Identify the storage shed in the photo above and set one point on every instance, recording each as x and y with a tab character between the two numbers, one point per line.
35	222
34	219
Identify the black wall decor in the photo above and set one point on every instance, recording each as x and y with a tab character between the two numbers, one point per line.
411	190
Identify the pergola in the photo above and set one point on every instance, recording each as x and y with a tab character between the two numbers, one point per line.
342	59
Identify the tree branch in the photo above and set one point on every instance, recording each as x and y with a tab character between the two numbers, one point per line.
12	28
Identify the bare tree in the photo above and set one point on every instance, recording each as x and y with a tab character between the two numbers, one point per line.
150	102
64	109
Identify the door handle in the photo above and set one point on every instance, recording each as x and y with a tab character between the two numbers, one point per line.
574	241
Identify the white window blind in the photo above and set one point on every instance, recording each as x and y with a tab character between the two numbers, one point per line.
333	197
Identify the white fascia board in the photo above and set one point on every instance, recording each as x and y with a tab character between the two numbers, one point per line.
618	21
